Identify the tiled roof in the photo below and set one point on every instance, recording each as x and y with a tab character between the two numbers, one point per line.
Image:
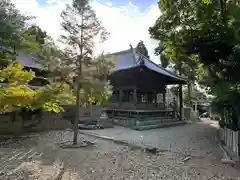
130	58
26	59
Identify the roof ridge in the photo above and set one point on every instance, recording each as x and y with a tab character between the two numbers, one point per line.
160	66
121	52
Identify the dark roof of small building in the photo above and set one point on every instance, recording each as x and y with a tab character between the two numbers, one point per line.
29	60
130	58
26	59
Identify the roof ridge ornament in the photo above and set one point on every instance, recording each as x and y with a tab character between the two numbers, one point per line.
130	46
133	53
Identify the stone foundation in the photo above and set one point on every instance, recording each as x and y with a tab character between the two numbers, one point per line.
49	121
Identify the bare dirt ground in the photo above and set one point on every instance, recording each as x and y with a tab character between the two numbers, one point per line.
197	158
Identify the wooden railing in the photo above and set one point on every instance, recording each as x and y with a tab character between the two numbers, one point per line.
230	139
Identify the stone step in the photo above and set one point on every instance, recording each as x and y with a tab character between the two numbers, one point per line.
141	118
155	117
154	126
155	121
90	118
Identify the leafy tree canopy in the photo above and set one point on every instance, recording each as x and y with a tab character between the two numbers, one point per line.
194	27
17	94
196	96
14	35
203	35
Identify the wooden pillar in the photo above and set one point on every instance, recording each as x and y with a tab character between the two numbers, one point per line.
180	101
156	99
164	100
146	97
135	101
120	96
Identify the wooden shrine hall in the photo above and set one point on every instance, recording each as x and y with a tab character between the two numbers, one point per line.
139	86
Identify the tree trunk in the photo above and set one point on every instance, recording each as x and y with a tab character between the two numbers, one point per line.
190	93
77	118
79	84
90	104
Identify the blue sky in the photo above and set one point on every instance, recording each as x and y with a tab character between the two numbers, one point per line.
142	4
127	21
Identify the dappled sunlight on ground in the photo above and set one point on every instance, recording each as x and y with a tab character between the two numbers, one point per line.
193	153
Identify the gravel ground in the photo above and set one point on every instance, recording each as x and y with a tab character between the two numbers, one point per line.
109	161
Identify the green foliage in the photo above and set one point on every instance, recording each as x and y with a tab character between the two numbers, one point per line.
15	36
203	38
80	37
51	56
95	85
13	74
54	94
13	33
175	28
38	33
81	26
196	96
202	29
53	106
90	74
17	94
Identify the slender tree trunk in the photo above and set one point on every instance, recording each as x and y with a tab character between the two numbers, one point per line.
90	104
77	118
190	93
180	95
79	85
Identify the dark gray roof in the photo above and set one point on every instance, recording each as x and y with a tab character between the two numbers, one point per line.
130	58
29	60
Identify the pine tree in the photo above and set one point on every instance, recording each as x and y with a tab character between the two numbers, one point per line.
81	25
